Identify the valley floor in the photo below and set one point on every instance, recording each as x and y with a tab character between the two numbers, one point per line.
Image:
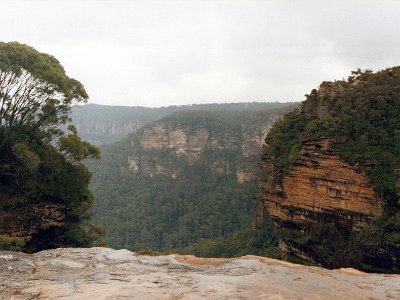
102	273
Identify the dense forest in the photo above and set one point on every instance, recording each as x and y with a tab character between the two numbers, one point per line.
198	210
363	114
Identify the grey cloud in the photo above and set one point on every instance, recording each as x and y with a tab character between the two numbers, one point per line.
156	53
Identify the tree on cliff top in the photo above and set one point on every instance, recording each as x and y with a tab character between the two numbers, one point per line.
34	89
38	161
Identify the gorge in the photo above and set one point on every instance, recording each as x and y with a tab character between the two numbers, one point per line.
187	177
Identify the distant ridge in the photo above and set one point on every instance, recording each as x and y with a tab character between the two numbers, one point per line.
104	124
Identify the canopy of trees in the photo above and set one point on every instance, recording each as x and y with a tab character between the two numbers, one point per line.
39	163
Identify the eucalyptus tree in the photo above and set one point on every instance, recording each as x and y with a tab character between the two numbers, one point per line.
39	162
36	93
34	89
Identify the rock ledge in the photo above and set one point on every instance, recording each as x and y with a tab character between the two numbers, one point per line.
102	273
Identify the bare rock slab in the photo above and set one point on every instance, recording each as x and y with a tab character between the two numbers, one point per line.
102	273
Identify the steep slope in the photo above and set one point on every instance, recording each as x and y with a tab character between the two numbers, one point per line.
189	176
329	175
105	124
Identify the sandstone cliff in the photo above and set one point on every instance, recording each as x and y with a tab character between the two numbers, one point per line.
319	187
166	146
329	175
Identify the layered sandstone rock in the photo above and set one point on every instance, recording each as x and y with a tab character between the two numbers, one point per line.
155	137
163	147
319	186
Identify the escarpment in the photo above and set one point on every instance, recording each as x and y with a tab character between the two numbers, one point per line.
103	124
165	147
320	185
329	175
319	188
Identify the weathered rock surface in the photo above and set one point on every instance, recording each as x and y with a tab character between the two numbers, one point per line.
185	144
26	222
320	182
319	186
101	273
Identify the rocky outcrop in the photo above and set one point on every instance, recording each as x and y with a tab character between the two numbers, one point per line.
328	175
320	183
101	273
319	186
27	221
165	146
259	213
182	140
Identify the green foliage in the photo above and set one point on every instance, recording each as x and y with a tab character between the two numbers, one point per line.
394	239
283	141
96	235
364	114
34	90
336	247
74	148
25	156
39	163
261	241
160	213
297	236
11	243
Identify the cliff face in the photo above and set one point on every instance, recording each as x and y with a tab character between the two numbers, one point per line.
100	132
319	186
164	147
329	175
21	225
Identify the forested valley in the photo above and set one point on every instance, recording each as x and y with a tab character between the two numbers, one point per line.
187	183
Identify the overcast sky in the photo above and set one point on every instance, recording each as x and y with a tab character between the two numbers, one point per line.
158	53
